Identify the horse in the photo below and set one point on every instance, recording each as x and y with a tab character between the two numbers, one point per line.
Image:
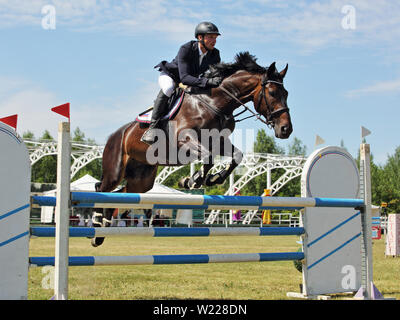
209	110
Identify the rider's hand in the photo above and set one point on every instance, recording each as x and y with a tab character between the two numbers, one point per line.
214	82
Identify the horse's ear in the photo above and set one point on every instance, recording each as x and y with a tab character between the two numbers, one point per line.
271	70
283	72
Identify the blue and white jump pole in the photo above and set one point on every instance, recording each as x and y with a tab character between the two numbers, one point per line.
206	202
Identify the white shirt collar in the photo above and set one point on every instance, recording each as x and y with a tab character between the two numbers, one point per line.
201	52
201	55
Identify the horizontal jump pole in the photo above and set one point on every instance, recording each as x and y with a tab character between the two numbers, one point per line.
169	259
169	232
172	201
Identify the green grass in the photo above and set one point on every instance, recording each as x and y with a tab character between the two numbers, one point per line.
256	281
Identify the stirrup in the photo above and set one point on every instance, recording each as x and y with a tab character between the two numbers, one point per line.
145	135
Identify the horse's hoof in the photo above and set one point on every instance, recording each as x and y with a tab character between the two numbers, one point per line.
97	219
213	179
184	183
196	181
97	242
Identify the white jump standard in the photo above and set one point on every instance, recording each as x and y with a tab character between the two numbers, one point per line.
15	177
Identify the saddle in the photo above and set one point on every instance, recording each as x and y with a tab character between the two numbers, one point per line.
174	104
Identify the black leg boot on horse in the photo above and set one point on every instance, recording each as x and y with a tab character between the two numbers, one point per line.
159	109
101	220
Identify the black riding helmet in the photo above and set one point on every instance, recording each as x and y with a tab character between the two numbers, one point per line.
206	28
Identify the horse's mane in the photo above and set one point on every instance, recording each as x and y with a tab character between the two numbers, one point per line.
243	61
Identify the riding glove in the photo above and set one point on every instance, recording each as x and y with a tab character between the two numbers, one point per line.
214	82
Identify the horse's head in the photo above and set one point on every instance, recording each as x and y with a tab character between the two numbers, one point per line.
271	101
263	86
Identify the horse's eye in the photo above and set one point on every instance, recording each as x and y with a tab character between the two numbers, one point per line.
272	93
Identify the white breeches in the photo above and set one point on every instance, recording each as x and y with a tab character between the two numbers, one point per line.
166	83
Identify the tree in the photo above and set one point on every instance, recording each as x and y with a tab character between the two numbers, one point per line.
263	144
45	170
292	188
266	144
94	168
389	183
297	148
79	136
28	135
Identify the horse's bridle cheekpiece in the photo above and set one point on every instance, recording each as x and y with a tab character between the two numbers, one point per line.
271	112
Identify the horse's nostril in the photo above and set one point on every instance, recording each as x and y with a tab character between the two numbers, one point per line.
285	130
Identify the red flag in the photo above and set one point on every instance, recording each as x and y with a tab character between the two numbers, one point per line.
11	121
62	109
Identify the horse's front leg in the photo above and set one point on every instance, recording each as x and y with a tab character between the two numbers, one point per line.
228	150
197	179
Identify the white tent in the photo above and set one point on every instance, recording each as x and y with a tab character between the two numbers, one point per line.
183	216
160	188
86	183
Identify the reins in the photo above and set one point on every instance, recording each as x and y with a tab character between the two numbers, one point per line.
258	116
271	113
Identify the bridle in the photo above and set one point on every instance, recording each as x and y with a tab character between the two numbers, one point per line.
271	114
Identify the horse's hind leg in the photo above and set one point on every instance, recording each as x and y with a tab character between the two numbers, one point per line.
114	163
103	219
139	179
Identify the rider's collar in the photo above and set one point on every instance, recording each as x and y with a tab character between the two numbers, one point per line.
201	52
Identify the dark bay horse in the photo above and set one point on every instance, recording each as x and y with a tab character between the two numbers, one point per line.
126	157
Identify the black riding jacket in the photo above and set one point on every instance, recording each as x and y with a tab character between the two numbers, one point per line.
185	67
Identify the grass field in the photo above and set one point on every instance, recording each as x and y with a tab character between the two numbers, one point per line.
255	281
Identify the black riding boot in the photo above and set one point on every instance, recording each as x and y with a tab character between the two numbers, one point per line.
159	108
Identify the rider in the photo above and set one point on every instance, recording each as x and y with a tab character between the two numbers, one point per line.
192	60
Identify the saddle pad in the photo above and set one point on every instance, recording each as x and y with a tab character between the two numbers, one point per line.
145	117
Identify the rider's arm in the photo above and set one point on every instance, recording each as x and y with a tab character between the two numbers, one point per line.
184	65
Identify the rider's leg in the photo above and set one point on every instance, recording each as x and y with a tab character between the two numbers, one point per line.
160	105
166	83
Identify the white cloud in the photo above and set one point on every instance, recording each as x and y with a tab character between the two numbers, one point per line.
308	24
97	119
101	118
32	104
377	88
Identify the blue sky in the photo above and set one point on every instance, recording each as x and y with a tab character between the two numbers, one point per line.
343	62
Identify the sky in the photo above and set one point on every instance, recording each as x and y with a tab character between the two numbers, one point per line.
98	55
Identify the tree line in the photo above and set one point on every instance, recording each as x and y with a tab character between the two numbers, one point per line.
385	179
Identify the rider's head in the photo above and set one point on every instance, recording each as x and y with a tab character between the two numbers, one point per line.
206	33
